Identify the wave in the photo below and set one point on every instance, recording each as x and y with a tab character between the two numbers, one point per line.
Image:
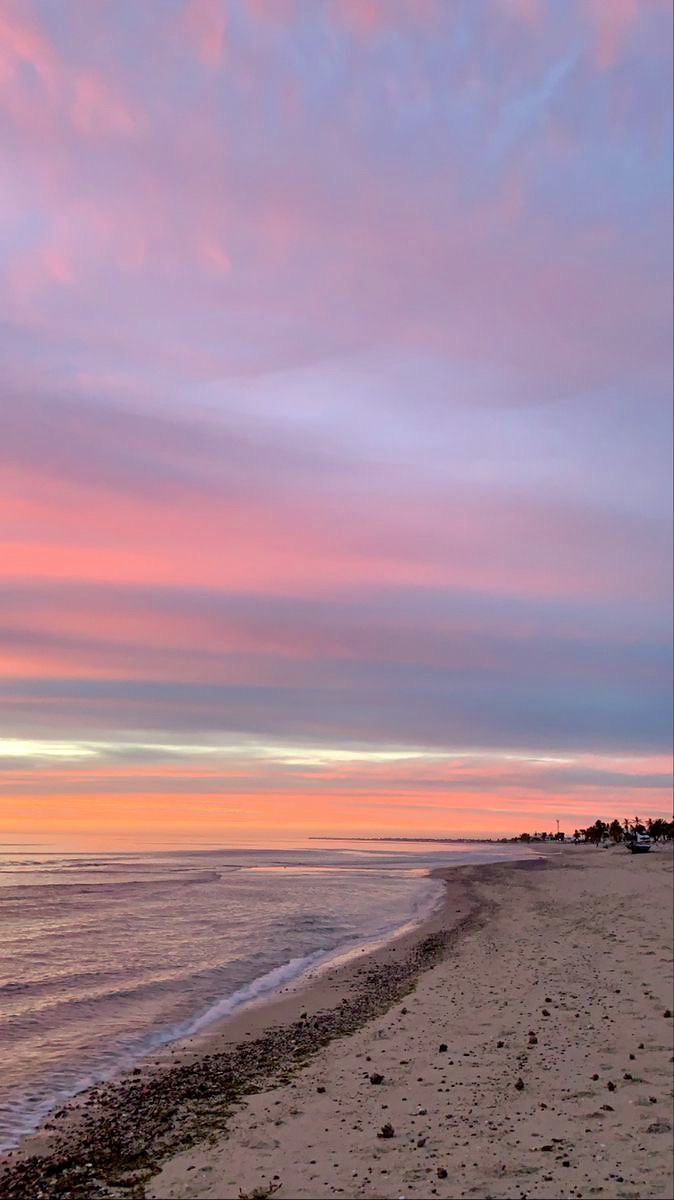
262	985
26	1113
29	1109
40	891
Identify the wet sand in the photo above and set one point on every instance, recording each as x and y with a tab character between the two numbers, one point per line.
516	1046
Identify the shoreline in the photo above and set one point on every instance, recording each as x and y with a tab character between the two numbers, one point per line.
533	1061
259	993
81	1149
330	966
528	1014
327	980
324	984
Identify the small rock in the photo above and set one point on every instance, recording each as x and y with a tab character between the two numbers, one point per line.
320	1090
376	1078
610	1085
441	1172
386	1131
519	1084
442	1048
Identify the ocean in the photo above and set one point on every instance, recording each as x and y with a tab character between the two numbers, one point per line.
105	957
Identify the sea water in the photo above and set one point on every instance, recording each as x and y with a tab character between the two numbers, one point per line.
105	957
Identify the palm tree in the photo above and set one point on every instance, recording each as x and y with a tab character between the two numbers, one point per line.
615	830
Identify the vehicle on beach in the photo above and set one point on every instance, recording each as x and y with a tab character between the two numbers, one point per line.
639	843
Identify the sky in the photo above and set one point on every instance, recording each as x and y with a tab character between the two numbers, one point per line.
335	443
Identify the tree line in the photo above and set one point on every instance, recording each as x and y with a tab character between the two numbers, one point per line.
615	831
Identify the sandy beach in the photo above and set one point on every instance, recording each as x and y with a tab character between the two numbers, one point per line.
519	1045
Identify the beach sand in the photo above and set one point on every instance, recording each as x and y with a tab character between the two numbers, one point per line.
521	1037
564	989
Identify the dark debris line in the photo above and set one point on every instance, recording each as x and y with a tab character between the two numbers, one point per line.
130	1126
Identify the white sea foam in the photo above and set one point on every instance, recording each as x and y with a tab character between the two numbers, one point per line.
124	959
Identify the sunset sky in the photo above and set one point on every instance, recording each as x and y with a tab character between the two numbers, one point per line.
335	363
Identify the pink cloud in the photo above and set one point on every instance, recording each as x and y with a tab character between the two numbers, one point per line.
97	111
320	258
21	42
213	255
446	533
360	17
205	24
529	12
34	271
272	11
612	21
